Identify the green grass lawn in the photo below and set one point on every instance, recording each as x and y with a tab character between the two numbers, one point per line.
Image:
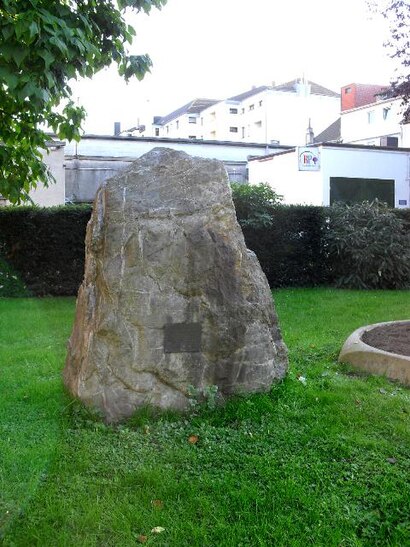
325	461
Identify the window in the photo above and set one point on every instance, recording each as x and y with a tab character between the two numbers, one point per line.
258	124
251	107
243	111
192	119
167	128
233	111
192	137
260	103
177	124
243	132
386	112
348	90
370	116
202	121
233	129
157	131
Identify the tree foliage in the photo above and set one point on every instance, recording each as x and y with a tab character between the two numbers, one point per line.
397	13
44	44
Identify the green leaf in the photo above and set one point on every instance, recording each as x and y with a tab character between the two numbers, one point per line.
7	31
19	54
59	44
34	29
47	56
11	79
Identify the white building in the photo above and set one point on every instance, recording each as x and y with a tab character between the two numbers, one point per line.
378	124
267	114
54	193
324	174
184	123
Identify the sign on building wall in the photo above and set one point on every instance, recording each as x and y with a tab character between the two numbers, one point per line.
309	158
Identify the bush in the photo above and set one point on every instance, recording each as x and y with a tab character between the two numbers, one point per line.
368	247
255	205
45	246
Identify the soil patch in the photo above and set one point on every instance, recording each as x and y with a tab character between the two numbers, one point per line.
394	338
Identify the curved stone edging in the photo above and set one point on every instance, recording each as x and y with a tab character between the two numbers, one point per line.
374	360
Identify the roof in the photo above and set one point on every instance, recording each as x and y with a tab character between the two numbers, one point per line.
197	142
315	89
350	146
193	107
289	87
331	133
250	93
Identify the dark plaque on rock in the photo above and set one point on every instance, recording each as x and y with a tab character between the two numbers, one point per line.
182	337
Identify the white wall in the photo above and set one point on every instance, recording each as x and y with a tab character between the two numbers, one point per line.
368	163
367	124
216	121
283	176
135	147
54	194
183	127
406	135
313	188
288	115
271	115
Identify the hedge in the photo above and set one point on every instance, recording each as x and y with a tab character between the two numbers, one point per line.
290	251
45	247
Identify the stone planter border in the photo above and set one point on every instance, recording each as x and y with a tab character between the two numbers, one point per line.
373	360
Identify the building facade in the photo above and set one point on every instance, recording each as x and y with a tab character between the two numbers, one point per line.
355	95
377	124
276	114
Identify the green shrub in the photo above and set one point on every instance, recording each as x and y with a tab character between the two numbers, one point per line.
255	204
368	247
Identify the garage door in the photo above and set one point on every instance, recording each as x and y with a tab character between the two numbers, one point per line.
350	190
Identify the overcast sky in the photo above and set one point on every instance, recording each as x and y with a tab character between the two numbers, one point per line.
219	48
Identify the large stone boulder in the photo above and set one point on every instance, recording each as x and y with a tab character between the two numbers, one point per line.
171	297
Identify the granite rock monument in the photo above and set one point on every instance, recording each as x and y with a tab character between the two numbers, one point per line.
171	296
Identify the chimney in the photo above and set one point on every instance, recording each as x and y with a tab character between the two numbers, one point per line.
117	129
